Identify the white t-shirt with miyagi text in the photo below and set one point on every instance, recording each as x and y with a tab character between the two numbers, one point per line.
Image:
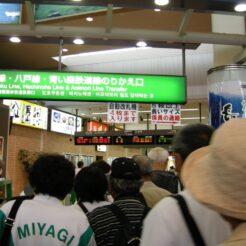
44	220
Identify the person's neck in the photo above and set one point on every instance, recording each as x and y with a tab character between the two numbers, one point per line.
159	166
147	178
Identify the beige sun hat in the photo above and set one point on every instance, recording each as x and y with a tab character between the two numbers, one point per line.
216	175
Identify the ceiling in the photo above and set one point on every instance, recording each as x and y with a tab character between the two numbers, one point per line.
123	22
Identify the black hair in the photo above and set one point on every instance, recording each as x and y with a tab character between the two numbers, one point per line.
90	184
103	165
53	175
80	164
190	138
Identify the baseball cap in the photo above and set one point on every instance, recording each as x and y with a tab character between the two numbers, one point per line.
125	168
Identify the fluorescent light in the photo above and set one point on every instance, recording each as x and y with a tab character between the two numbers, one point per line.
78	41
161	2
98	113
157	10
193	118
89	19
240	7
141	44
15	40
65	50
189	109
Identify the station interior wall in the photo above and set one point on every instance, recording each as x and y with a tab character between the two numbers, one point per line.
35	140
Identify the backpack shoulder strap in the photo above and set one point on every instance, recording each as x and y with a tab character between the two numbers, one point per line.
9	221
190	222
83	207
118	213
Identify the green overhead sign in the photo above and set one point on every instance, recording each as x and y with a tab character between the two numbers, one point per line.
65	86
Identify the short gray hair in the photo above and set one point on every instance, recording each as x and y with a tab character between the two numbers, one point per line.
158	154
120	186
144	163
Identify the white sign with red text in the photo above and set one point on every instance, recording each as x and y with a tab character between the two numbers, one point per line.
122	113
165	113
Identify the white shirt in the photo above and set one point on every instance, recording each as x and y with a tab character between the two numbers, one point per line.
165	226
44	220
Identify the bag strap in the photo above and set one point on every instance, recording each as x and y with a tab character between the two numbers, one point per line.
190	222
83	207
121	216
9	221
118	213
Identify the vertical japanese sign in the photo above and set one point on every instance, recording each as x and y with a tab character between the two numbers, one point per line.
122	113
165	113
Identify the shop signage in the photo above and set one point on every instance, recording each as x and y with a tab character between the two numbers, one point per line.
92	87
96	126
64	123
28	114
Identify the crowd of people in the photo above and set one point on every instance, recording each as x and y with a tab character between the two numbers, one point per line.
136	200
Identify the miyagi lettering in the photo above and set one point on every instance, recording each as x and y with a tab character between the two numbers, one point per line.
42	229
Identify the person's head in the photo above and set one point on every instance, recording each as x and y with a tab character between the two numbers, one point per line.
80	164
145	165
215	175
90	184
125	177
159	157
103	165
52	174
188	139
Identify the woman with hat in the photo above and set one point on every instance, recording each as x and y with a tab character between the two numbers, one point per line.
215	176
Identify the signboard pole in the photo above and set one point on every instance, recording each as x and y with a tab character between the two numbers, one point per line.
60	54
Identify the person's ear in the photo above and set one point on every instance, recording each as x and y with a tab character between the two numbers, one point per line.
178	161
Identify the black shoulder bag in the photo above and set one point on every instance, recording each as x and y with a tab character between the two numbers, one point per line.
190	222
9	222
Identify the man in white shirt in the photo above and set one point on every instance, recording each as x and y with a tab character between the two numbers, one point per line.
165	224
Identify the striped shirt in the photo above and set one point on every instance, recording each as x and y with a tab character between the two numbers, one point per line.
105	224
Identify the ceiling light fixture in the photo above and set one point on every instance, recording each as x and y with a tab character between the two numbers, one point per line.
15	40
141	44
157	10
161	2
78	41
89	19
240	7
65	50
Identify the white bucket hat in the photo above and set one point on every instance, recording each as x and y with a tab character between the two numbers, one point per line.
216	175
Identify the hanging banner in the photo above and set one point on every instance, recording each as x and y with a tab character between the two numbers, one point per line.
165	113
62	86
122	113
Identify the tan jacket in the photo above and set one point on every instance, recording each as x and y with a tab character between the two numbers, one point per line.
152	193
238	237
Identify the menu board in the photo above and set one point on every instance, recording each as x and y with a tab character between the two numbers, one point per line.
28	114
64	123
